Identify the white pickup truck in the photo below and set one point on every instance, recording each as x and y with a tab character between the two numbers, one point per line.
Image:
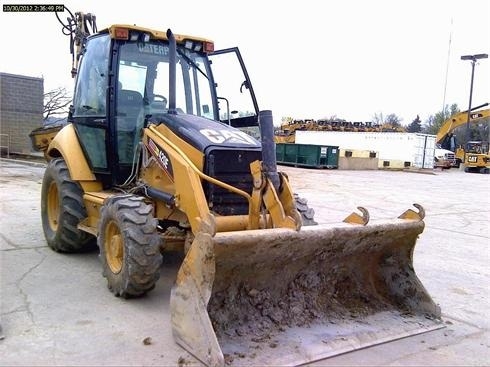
444	158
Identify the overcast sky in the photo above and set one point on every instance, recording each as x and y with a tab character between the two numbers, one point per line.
306	59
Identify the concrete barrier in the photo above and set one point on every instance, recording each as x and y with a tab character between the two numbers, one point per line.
356	159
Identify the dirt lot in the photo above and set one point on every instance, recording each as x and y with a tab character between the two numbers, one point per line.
56	309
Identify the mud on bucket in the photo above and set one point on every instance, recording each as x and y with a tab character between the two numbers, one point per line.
284	297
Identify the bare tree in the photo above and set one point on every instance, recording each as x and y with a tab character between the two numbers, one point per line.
378	118
333	118
56	104
393	119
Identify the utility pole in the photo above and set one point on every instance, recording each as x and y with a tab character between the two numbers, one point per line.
473	59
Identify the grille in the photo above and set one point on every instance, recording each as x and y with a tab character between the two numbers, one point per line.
233	168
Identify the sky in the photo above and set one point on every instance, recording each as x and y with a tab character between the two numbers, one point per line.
306	59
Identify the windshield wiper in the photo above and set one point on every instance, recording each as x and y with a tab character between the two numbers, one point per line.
190	61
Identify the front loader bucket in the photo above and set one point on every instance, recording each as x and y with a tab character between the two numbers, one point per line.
285	297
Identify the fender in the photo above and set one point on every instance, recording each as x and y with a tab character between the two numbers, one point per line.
65	144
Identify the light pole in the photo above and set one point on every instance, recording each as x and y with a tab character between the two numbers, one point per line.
473	59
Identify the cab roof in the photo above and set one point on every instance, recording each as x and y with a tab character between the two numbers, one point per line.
155	34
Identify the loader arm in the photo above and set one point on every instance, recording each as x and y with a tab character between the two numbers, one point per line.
281	211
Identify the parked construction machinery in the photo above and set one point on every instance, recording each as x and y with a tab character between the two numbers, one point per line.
474	154
286	132
153	159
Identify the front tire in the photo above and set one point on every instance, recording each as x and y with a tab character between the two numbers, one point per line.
62	209
129	246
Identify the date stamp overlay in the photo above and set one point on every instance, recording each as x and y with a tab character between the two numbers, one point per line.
32	8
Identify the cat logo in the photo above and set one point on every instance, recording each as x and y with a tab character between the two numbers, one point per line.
228	136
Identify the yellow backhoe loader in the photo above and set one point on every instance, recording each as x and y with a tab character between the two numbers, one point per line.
153	159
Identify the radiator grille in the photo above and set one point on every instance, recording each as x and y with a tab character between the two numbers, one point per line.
233	168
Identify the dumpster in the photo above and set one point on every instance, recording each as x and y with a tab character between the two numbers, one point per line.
307	155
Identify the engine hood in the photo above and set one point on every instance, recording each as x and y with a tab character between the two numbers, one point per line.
439	152
203	133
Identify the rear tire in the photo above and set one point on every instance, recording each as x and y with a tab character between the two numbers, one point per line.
62	209
307	213
129	246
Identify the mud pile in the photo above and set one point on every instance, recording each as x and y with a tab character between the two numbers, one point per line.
243	310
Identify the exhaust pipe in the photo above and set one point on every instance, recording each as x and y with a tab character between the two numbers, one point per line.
172	80
269	164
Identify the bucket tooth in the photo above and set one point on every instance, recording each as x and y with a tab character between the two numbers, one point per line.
355	218
413	215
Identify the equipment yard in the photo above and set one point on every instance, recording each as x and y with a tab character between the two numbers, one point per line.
56	310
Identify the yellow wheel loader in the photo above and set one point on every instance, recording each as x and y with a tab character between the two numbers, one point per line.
153	159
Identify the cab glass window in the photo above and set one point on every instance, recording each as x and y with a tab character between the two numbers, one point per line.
91	86
144	68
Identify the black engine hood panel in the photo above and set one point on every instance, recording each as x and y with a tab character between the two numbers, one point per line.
203	133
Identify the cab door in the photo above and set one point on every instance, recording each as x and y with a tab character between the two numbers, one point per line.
236	98
89	112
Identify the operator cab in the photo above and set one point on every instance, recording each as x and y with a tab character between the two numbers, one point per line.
477	147
124	81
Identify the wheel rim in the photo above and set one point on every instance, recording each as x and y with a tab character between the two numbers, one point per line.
53	206
113	245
